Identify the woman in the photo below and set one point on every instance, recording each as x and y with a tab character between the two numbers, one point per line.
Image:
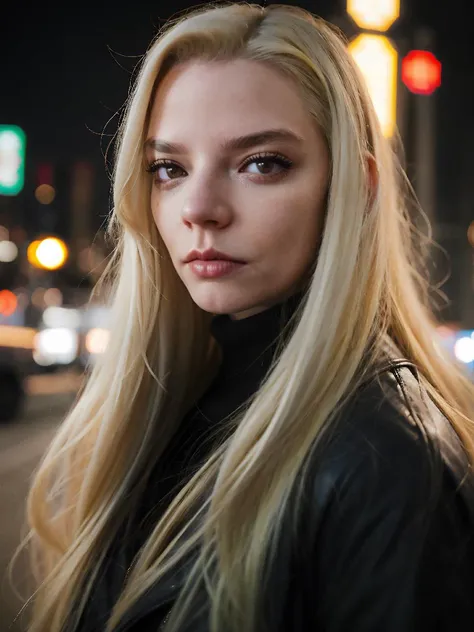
273	440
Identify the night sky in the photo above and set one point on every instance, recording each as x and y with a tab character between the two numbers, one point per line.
66	70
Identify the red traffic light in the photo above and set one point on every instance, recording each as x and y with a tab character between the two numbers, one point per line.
421	72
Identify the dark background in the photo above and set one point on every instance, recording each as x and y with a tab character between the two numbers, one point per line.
66	72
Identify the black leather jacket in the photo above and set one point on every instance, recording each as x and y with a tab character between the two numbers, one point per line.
386	537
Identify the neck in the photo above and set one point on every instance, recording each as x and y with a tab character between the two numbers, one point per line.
243	340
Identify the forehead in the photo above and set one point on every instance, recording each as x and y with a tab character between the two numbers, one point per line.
222	98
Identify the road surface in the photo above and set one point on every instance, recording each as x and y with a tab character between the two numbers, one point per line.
22	444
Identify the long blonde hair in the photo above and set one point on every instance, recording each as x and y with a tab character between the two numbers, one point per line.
365	289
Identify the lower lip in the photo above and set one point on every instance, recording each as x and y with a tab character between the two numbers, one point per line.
215	268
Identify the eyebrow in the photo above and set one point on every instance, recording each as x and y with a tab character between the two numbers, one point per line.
232	144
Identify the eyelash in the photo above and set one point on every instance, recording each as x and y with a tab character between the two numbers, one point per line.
277	158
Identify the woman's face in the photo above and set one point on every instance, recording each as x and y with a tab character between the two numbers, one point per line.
238	166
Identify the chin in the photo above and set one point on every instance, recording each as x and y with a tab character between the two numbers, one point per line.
218	300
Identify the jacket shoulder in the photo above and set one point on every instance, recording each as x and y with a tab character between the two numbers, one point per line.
388	522
392	436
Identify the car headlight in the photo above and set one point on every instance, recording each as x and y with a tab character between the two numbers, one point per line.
55	346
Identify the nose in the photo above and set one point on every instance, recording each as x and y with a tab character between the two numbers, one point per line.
207	202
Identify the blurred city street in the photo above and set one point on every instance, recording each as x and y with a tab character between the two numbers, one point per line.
22	443
70	227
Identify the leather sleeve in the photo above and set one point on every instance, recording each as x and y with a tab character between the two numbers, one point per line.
393	551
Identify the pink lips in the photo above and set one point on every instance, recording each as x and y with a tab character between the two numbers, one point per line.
210	255
215	268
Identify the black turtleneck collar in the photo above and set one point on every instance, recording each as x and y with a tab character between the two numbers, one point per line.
253	339
248	347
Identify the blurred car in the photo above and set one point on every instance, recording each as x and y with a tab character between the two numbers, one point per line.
16	342
56	342
12	391
70	336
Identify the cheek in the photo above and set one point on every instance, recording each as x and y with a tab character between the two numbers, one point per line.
158	223
292	224
154	208
163	223
157	218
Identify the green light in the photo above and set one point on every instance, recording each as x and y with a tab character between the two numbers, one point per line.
12	159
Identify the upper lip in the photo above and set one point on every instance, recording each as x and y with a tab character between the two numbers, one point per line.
209	255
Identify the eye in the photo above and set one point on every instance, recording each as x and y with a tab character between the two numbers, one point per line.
165	170
265	164
268	164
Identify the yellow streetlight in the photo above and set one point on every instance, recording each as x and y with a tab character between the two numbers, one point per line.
50	253
31	253
378	61
375	15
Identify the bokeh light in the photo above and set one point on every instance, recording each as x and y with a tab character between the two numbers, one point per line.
37	297
45	193
53	297
50	253
464	349
96	340
8	303
8	251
